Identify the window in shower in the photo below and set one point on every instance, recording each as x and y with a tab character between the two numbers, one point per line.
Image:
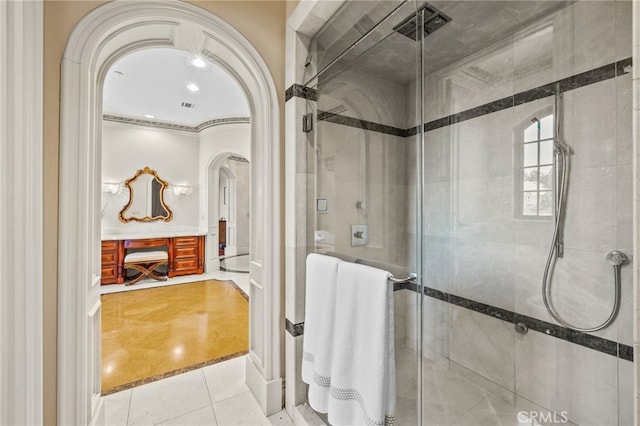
537	169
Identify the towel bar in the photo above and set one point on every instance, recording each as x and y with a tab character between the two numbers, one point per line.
412	276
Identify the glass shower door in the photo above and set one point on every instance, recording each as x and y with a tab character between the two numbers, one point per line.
362	194
497	78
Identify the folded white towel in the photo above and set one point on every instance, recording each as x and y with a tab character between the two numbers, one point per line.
363	381
319	322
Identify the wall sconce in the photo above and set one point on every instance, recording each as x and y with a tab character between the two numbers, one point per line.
181	190
111	187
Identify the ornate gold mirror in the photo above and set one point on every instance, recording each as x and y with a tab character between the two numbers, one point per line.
146	198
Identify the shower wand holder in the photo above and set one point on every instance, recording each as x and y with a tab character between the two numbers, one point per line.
616	258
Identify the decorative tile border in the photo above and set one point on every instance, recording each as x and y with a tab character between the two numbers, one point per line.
244	295
172	373
173	126
294	329
360	124
599	344
224	268
300	91
570	83
586	78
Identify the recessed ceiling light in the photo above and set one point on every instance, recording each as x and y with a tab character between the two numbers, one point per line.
192	87
198	62
149	116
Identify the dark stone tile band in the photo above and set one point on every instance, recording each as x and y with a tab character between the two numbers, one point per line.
294	329
599	344
481	110
534	94
588	77
300	91
171	373
583	339
623	67
360	124
570	83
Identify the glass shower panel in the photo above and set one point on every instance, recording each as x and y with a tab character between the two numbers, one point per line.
363	190
494	87
436	146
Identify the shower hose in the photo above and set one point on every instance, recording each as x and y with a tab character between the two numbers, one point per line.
616	258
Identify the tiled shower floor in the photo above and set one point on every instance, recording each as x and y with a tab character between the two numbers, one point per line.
454	395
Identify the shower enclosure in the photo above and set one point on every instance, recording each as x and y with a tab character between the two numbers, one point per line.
430	140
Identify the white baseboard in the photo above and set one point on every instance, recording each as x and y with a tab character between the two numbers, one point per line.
267	393
99	418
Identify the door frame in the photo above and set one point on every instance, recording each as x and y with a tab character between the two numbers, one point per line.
101	38
23	331
214	166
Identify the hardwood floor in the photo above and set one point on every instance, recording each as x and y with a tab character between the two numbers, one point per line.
155	333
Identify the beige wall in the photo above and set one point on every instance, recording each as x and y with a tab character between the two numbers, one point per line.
261	22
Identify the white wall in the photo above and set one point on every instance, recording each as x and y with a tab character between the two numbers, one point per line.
214	141
173	155
241	170
180	158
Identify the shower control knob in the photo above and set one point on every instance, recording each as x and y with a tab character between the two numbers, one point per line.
616	257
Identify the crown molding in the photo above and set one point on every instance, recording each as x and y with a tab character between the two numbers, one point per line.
174	126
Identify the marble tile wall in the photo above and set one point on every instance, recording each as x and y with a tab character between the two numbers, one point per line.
565	377
475	245
576	39
361	172
478	247
354	93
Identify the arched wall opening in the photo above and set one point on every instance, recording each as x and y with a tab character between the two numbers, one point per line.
100	38
215	170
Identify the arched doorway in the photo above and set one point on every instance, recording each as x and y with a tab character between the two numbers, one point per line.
219	172
102	37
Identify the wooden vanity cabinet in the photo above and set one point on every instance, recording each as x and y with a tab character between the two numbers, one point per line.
186	256
112	254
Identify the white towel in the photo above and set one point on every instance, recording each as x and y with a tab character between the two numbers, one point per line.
363	379
319	320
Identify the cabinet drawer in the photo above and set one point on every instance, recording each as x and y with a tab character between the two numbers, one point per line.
108	258
185	241
109	245
150	242
186	252
186	265
109	275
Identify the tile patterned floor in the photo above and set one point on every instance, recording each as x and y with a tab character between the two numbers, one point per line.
238	263
154	333
210	396
217	395
454	395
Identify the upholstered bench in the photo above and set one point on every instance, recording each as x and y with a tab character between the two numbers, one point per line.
146	262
